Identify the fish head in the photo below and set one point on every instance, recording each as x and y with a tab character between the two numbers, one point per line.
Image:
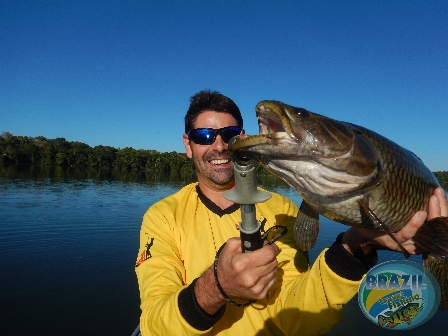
313	153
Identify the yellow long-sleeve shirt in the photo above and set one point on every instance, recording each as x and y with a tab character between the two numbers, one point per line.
179	238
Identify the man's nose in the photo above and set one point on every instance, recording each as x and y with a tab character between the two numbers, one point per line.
219	144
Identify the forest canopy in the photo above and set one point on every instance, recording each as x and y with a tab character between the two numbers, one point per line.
40	150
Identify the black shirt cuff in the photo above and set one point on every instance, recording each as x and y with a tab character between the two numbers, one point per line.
192	311
344	264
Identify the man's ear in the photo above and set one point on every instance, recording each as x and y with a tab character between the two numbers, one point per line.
186	142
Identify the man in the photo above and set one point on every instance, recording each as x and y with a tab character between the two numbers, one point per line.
178	288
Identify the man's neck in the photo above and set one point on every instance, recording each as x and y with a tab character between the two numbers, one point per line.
216	195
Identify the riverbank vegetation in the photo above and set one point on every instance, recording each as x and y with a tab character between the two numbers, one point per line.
40	150
59	151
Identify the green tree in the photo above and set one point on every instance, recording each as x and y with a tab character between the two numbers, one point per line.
129	158
61	158
152	158
78	154
102	156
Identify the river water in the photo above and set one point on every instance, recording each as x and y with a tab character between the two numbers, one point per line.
68	245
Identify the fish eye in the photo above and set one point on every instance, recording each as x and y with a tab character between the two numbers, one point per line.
302	112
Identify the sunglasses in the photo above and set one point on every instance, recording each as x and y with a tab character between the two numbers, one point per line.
207	136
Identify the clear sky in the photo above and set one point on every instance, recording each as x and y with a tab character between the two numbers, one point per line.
120	73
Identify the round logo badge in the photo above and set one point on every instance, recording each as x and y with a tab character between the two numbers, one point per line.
399	295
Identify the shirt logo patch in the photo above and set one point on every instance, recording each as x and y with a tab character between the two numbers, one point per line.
146	254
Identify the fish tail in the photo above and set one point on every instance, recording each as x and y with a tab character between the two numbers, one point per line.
433	236
438	266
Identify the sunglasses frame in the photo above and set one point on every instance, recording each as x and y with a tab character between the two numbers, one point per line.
214	132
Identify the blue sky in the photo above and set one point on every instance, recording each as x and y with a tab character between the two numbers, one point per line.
120	73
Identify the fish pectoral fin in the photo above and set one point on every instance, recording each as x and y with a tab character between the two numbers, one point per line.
433	236
363	204
406	319
306	228
438	266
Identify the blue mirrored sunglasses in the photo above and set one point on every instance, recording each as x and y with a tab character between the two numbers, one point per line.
207	136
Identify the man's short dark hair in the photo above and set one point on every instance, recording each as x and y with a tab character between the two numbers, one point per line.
207	100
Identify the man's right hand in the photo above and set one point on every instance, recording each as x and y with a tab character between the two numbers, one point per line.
245	276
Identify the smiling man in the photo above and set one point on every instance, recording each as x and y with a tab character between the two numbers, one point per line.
181	234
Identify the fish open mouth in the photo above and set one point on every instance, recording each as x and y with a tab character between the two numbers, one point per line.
274	124
274	129
269	123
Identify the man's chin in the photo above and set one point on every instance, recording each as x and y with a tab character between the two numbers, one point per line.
222	178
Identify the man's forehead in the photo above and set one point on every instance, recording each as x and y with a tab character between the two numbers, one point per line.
214	119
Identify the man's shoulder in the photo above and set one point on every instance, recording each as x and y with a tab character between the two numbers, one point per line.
180	196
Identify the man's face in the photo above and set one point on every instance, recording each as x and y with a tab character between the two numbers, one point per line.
212	162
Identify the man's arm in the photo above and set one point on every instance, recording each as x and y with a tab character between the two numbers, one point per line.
161	276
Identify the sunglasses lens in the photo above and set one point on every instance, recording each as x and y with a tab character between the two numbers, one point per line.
228	133
203	136
206	136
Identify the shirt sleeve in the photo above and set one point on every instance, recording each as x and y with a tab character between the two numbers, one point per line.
161	275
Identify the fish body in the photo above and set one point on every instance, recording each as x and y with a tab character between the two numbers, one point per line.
346	173
401	315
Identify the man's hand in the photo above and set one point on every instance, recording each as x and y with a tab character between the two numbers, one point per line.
359	241
249	275
245	276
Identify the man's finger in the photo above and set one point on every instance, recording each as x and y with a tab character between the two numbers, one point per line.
409	230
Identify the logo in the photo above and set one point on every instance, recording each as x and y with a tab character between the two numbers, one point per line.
146	254
399	295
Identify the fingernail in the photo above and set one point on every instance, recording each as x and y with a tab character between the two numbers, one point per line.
436	200
421	215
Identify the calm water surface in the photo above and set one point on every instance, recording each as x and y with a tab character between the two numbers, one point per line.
68	242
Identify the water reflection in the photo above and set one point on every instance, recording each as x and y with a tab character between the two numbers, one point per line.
69	239
38	172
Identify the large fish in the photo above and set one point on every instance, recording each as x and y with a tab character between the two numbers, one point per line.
348	174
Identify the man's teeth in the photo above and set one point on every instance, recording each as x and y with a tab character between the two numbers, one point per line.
217	162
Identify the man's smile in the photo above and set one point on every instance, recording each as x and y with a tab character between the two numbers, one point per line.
219	161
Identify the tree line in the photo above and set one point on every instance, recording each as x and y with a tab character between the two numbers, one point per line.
59	151
442	176
40	150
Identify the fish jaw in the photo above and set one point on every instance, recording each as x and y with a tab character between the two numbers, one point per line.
318	156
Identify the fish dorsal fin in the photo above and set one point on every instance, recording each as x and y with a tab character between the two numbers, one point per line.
306	228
